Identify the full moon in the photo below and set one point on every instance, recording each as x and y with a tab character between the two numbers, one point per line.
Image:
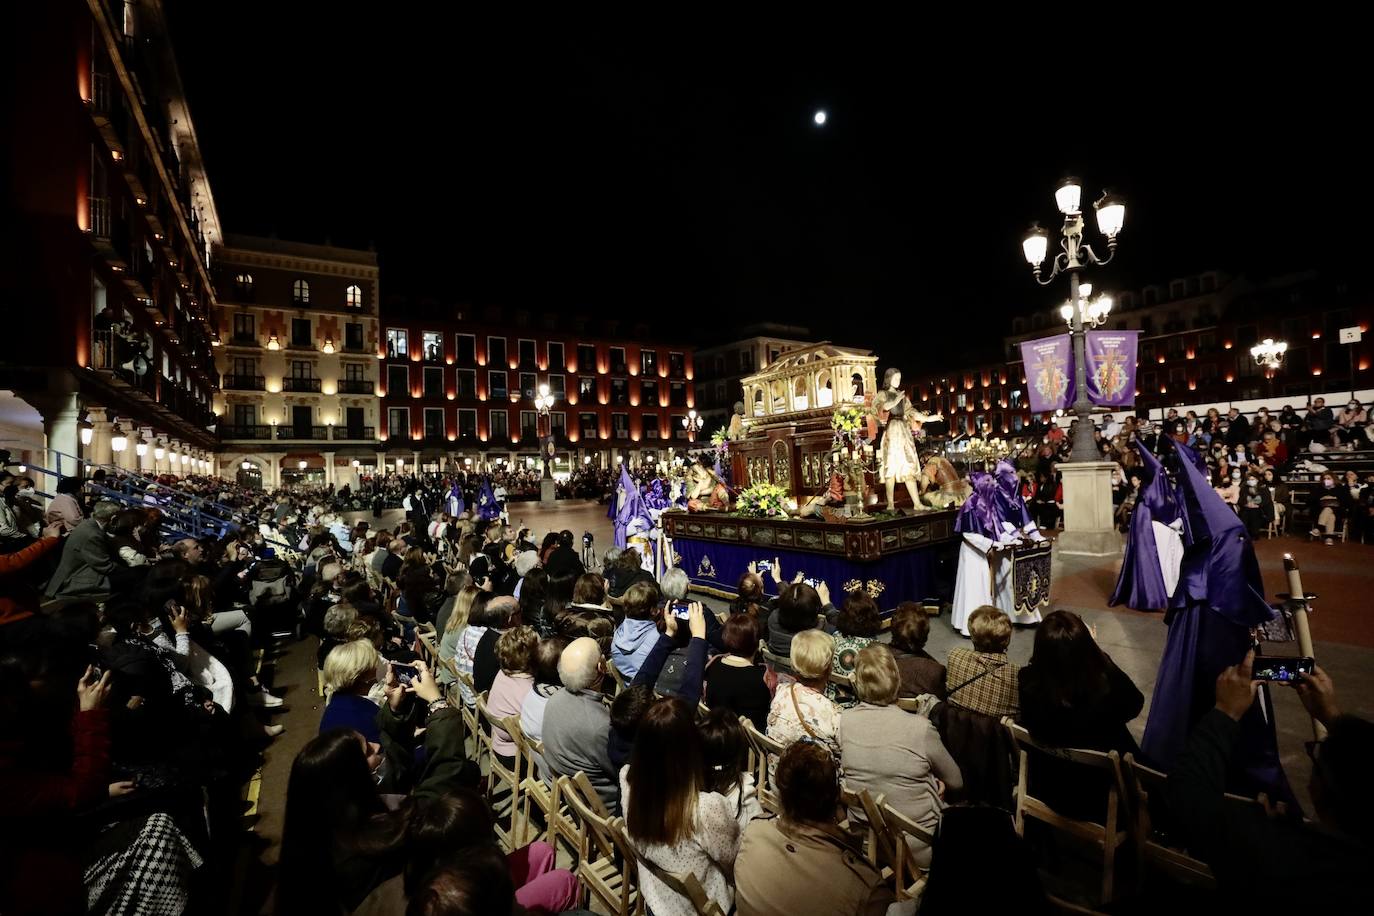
819	117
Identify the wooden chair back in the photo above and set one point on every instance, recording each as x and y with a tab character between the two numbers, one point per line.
910	877
500	776
765	754
1110	835
605	864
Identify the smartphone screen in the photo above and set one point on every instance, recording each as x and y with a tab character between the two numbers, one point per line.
682	610
405	674
1280	670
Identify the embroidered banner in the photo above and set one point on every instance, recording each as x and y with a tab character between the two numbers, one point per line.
1111	359
1049	373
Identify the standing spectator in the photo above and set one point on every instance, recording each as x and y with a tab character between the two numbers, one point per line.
1238	428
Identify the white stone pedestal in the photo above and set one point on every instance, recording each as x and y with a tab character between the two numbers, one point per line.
1088	525
547	492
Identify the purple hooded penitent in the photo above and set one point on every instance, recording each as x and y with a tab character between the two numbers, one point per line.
982	513
631	509
1009	491
1140	586
1219	598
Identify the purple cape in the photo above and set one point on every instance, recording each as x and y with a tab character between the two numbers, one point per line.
487	506
1220	596
1140	586
982	513
632	509
1008	491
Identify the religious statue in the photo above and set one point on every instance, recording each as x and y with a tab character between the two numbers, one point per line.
705	490
735	432
897	458
831	498
941	484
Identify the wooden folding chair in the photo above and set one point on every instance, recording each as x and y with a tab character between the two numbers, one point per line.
1152	847
429	650
499	775
548	798
766	752
605	861
910	878
684	884
1110	836
469	712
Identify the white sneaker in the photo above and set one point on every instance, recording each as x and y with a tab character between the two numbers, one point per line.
263	698
273	731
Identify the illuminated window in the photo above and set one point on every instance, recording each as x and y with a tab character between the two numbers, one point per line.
300	292
353	297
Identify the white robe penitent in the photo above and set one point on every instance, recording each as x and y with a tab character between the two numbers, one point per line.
985	576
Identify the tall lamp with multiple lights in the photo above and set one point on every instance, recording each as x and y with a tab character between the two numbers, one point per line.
1268	355
1074	256
691	423
543	403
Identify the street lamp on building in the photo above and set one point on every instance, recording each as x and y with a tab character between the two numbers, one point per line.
1074	256
543	403
140	446
158	451
691	423
118	441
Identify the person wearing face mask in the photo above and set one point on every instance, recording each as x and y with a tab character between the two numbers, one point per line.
1334	505
1351	485
1290	427
1256	506
1230	487
1349	428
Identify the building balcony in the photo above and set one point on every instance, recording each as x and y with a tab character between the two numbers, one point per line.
245	340
257	432
290	383
313	433
355	434
356	386
244	383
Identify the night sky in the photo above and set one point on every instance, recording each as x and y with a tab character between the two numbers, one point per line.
681	177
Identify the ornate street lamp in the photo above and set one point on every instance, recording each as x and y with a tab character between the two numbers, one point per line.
1269	354
691	423
543	403
1073	257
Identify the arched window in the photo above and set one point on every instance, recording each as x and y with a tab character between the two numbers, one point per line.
300	292
243	284
353	297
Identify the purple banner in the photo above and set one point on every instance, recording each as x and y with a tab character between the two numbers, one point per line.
1049	373
1111	367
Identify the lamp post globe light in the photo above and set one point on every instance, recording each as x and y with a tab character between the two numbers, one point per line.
1074	256
543	403
691	423
1089	527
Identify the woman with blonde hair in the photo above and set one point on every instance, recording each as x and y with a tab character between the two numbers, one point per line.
801	709
892	752
350	671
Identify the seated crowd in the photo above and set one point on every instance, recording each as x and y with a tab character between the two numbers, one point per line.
132	715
